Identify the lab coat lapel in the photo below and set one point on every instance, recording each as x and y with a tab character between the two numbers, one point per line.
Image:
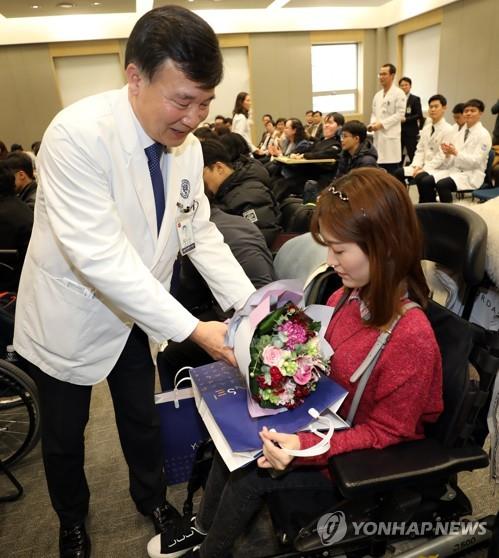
137	160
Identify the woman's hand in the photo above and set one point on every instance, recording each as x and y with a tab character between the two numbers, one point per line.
273	456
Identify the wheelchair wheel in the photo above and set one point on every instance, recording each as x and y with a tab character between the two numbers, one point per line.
19	413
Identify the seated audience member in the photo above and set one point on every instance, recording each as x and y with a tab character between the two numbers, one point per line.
458	116
309	122
219	120
413	119
16	147
236	147
35	147
21	165
241	189
278	138
436	132
316	130
16	222
495	134
295	140
204	132
267	136
358	151
381	272
329	147
459	165
248	245
3	150
266	118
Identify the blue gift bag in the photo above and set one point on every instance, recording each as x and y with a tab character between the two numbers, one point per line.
182	430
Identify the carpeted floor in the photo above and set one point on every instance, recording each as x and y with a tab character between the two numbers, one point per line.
29	527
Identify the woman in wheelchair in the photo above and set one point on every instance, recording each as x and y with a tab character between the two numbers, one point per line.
369	225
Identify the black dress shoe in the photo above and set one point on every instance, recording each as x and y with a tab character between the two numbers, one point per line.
163	516
74	542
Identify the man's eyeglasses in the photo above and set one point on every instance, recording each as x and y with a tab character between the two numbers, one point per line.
345	136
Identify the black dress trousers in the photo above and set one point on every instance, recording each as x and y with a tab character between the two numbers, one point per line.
65	412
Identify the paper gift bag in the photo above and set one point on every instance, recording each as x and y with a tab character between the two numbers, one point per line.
220	392
182	431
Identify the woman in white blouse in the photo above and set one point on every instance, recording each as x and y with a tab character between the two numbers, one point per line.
241	123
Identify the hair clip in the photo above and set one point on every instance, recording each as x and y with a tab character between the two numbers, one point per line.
332	190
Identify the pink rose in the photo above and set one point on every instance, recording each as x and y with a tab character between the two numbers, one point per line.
272	356
303	375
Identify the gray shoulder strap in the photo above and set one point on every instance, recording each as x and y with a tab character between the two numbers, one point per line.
367	365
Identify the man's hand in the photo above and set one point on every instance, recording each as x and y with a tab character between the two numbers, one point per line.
376	126
416	171
296	156
210	336
273	455
449	149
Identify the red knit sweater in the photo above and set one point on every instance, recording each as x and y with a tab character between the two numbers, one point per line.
403	392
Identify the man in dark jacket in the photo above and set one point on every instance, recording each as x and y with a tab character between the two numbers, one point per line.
16	222
250	250
413	119
240	189
358	151
21	165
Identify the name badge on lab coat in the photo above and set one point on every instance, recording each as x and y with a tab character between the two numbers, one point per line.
185	233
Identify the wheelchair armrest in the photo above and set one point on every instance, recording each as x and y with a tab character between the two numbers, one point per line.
363	472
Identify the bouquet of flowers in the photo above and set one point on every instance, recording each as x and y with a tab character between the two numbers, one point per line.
280	347
285	358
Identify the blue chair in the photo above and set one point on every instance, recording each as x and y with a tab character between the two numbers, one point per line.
487	190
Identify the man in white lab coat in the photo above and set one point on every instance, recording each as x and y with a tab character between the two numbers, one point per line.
461	162
120	176
388	110
436	131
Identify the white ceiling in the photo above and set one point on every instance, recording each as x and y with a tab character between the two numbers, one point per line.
21	24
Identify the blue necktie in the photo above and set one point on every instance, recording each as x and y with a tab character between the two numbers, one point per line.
153	153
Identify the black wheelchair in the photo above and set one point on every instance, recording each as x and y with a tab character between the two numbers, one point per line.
412	483
19	403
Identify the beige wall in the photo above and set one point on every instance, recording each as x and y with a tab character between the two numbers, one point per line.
469	55
469	61
280	75
28	96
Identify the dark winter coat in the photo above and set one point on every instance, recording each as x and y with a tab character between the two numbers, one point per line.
366	156
246	192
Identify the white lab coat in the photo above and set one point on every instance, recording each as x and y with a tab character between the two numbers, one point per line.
95	264
389	109
429	145
467	168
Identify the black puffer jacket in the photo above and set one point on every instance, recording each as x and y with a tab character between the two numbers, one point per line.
246	192
366	156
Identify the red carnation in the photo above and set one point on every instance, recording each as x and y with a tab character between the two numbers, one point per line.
276	377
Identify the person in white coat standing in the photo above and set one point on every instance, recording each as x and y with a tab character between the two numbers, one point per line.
120	178
461	162
388	111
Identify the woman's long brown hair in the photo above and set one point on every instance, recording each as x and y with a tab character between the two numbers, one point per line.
373	209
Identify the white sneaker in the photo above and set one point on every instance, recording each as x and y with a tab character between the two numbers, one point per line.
178	541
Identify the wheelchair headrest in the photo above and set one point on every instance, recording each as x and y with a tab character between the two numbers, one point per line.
454	237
